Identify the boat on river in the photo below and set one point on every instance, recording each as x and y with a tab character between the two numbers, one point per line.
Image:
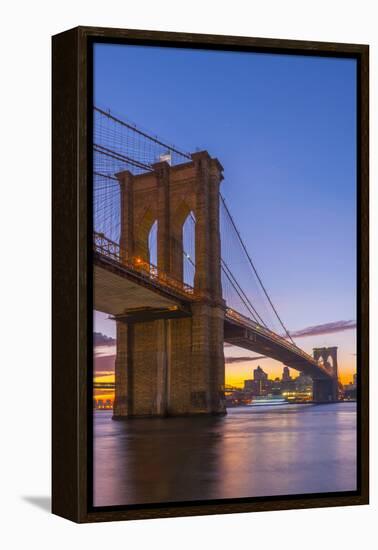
260	400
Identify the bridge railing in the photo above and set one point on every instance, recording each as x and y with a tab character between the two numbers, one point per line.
106	247
242	319
112	251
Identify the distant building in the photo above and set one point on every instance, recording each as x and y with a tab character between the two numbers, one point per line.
303	383
286	374
235	397
259	374
249	385
276	386
350	390
257	387
260	385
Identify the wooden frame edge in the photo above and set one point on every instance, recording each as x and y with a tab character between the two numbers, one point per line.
64	272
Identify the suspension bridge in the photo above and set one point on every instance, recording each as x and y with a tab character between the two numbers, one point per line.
171	267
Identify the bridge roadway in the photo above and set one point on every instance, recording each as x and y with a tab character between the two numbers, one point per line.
136	292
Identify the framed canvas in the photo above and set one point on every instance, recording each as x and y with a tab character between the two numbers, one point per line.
210	274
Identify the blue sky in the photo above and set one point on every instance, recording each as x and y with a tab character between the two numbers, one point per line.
284	128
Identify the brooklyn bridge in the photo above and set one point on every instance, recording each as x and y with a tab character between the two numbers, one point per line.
172	269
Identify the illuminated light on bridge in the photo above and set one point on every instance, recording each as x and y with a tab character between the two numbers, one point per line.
170	332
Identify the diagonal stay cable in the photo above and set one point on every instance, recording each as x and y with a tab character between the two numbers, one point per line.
227	271
118	156
235	285
140	132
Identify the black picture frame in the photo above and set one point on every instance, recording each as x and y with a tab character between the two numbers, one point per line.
72	283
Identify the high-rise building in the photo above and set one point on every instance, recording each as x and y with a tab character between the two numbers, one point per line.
286	374
249	386
260	385
259	374
276	386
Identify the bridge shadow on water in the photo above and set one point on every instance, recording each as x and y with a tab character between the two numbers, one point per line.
151	460
266	451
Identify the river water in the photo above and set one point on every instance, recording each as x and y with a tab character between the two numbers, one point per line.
258	451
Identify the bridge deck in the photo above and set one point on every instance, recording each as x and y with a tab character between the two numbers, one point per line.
119	287
245	333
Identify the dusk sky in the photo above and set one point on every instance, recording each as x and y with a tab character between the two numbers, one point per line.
284	129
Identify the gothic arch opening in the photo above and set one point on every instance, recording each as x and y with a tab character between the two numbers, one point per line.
152	244
329	360
189	249
143	230
327	357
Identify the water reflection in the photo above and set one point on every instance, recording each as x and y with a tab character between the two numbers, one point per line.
250	452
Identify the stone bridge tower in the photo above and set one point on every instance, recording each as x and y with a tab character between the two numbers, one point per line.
173	366
326	390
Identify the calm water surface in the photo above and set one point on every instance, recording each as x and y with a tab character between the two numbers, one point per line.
260	451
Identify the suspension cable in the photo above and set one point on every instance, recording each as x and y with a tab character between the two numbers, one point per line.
140	132
234	283
227	271
102	150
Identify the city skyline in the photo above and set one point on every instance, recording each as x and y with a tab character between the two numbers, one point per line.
238	367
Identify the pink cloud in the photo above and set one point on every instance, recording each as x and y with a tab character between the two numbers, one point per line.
327	328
